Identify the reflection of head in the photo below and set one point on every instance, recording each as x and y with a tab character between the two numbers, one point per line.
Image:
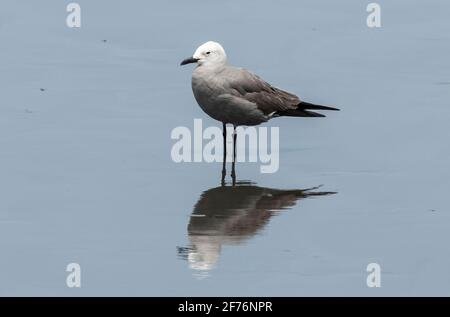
205	253
229	215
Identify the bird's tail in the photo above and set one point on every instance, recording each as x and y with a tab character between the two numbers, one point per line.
303	110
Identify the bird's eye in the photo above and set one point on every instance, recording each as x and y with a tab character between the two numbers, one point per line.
207	53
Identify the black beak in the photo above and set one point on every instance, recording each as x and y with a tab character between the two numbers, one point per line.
189	61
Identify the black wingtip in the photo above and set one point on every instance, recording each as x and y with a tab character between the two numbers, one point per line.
312	106
301	113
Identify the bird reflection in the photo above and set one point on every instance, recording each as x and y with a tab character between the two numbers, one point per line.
230	215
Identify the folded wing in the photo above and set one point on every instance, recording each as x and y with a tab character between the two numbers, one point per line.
270	100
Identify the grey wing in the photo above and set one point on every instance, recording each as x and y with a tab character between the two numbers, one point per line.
268	99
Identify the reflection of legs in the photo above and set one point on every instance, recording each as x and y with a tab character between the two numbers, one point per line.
233	170
224	152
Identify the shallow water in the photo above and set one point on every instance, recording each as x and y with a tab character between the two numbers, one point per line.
87	176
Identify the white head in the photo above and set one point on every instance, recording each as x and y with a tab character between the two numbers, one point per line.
210	54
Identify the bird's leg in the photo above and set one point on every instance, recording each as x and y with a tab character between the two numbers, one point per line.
224	153
233	168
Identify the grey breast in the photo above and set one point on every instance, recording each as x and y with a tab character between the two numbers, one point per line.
234	95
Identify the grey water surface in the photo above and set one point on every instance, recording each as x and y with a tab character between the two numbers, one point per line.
86	173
